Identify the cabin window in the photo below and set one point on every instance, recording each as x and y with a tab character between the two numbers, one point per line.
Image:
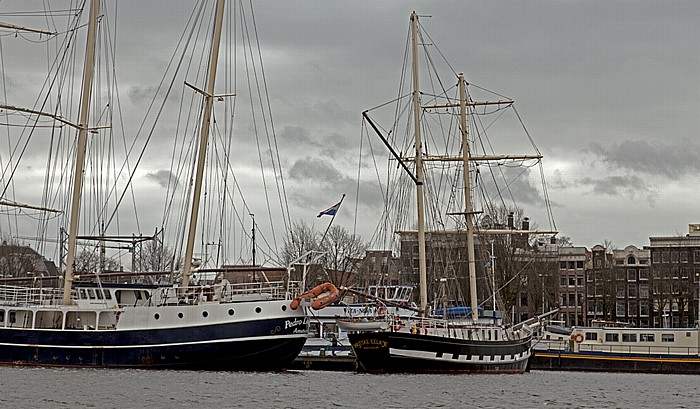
2	316
83	294
108	295
646	337
138	295
91	293
591	336
13	317
687	334
99	294
629	337
612	337
667	337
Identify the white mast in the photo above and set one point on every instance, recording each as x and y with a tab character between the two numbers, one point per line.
204	137
80	153
419	170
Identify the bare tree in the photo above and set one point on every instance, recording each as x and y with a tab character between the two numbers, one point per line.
88	262
341	251
301	239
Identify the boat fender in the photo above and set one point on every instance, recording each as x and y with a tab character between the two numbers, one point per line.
578	338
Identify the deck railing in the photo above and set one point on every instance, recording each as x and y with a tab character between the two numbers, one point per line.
652	350
227	292
26	296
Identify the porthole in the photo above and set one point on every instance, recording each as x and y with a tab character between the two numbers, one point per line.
180	315
284	308
205	314
258	309
230	312
156	316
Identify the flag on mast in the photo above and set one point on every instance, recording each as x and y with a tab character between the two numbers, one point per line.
331	211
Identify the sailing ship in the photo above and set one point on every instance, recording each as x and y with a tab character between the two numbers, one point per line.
448	342
195	326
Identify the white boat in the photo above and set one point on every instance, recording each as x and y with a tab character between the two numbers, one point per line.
614	347
216	326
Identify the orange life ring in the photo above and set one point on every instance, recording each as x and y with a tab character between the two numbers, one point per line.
578	338
331	296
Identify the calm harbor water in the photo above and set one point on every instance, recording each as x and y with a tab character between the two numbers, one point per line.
99	388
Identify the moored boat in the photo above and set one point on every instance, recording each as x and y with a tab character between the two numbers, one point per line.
459	340
620	349
181	324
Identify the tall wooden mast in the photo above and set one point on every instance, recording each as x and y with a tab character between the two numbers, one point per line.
80	151
419	169
468	207
203	139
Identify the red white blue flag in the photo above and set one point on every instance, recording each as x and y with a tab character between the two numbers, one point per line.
331	211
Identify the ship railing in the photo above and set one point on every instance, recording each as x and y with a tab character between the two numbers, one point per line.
640	349
227	292
26	296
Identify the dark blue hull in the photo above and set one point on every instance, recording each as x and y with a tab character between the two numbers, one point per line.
416	353
255	345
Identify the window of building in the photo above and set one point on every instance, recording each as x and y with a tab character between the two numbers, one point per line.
620	275
579	265
523	300
591	336
631	260
590	277
643	274
629	337
572	299
562	265
562	281
612	337
572	265
632	309
579	281
572	281
674	256
646	337
684	256
620	291
632	290
631	274
667	337
643	290
664	256
644	308
697	256
598	262
619	262
620	309
643	261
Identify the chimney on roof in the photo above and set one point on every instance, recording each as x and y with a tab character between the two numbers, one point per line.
510	220
526	223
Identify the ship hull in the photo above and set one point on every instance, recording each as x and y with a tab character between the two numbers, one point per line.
594	362
417	353
253	345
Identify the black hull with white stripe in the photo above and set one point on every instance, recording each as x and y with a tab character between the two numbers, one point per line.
419	353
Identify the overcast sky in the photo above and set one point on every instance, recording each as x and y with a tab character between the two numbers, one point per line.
607	89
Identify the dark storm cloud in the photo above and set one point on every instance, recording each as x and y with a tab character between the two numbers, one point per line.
671	160
163	178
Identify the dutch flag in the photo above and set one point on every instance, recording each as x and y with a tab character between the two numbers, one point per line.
331	211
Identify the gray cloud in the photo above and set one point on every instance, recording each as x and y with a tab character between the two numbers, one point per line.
655	158
616	185
163	178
